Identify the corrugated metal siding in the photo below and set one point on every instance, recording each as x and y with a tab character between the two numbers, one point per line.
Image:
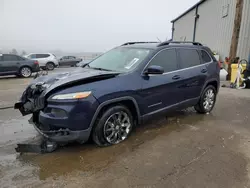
212	29
244	40
215	31
184	27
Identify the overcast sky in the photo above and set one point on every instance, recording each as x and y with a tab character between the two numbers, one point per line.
85	25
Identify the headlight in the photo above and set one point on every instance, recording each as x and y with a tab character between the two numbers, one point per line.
78	95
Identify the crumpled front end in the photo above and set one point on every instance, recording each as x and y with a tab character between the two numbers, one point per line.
32	99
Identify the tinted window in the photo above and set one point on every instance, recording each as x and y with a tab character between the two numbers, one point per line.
166	59
71	57
188	58
32	56
205	57
42	55
8	57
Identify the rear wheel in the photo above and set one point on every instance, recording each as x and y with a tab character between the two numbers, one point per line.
113	127
25	72
207	100
50	66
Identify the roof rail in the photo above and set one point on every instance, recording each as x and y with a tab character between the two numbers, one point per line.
131	43
179	42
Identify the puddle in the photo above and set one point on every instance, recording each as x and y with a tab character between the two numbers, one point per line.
89	158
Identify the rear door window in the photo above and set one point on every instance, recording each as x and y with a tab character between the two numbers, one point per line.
205	57
167	59
9	57
42	55
188	58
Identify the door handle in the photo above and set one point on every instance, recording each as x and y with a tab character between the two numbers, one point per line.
204	70
176	77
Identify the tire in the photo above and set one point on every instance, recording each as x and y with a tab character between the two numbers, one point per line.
108	130
50	66
25	72
207	100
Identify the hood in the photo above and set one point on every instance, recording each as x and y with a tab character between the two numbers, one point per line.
53	81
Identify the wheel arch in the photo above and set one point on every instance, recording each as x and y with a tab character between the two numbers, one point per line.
51	62
127	101
213	82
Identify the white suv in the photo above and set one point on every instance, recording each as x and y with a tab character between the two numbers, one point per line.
46	60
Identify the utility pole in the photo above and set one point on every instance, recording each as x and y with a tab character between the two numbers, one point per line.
236	32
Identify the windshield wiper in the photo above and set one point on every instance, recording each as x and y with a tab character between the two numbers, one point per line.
97	68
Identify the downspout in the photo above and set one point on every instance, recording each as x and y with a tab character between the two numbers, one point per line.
195	22
173	31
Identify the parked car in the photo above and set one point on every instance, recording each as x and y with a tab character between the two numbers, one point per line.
69	61
16	65
120	89
46	60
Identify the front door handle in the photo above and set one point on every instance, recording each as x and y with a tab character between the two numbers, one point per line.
176	77
204	70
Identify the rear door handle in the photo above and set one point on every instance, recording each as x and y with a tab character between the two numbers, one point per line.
176	77
204	70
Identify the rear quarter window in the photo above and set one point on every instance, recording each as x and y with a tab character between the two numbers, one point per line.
205	57
188	58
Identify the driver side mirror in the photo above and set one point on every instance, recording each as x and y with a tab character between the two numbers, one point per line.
154	69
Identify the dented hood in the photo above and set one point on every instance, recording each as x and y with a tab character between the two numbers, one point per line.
53	81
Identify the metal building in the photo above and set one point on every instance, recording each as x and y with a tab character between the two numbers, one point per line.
211	22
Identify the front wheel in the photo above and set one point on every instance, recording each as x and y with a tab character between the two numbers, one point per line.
207	100
113	127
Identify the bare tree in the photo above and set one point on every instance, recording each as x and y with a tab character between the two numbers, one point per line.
23	53
14	51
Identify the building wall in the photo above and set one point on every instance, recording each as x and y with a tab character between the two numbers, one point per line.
243	50
184	27
215	30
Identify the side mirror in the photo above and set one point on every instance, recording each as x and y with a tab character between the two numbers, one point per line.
154	69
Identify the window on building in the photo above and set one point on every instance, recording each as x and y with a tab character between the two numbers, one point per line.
166	59
188	58
205	57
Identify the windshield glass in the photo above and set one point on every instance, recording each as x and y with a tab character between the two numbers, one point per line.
120	59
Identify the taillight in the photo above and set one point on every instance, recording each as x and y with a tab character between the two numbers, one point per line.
36	63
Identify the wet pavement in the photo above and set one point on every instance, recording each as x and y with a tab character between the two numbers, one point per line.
184	149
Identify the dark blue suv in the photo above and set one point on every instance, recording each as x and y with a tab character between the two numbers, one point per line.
107	97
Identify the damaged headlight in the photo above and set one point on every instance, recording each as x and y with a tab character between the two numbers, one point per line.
78	95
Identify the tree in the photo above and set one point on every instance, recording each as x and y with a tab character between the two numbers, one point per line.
14	51
23	53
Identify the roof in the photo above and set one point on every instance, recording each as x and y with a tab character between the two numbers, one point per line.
143	45
155	45
187	11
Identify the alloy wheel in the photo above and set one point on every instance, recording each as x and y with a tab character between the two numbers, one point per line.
117	127
25	72
209	99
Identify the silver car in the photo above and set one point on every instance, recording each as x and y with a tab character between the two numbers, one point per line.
46	60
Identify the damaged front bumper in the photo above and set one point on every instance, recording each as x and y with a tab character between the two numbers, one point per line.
62	135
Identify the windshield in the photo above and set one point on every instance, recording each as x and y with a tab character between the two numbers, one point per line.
120	59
